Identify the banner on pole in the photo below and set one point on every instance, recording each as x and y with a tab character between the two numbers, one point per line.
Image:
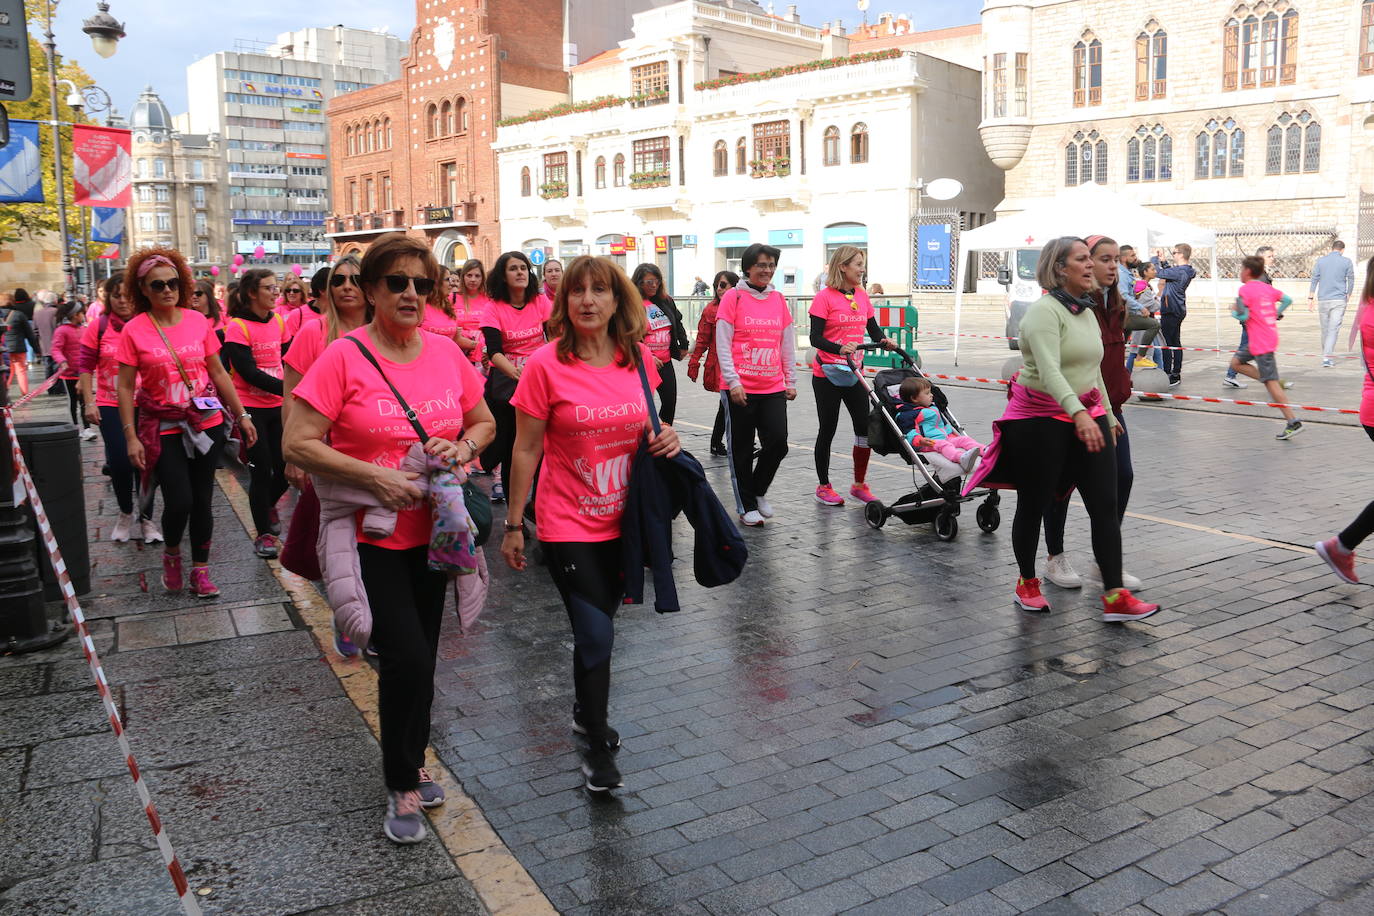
107	224
933	259
21	165
111	252
101	167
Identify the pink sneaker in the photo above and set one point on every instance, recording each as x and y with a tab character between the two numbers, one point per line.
862	493
171	572
1124	606
201	586
1341	561
826	496
1028	597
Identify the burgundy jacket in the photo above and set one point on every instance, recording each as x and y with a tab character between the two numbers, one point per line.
1114	374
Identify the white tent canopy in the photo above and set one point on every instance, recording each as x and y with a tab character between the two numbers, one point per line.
1085	210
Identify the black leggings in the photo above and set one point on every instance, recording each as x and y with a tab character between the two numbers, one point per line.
188	485
1363	525
1058	512
829	397
1048	454
1171	326
718	428
407	599
75	402
590	578
667	391
499	451
266	466
766	415
117	460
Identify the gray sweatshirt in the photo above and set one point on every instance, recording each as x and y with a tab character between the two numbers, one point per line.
1333	277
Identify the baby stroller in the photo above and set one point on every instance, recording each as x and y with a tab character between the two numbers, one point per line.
939	480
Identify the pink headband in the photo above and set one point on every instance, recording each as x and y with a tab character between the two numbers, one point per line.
1093	240
152	262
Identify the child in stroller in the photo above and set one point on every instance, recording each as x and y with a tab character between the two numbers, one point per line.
926	428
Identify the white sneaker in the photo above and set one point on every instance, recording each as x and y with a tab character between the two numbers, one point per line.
753	519
765	509
1128	581
1059	571
122	527
88	433
151	534
970	460
1233	382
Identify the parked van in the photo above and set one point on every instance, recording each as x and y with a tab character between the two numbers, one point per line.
1018	276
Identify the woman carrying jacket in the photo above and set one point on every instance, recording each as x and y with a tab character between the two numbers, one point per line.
19	331
469	298
666	337
724	281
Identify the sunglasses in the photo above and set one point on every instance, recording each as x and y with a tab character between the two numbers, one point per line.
198	293
397	283
340	279
158	286
295	292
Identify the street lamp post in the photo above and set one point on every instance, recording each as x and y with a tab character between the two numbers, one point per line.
94	100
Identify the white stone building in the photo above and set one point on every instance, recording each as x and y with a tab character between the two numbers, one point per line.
1255	118
716	125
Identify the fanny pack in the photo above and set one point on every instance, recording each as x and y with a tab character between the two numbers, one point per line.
839	374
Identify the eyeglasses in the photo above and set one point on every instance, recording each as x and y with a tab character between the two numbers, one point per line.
723	284
199	292
158	286
397	283
340	279
270	289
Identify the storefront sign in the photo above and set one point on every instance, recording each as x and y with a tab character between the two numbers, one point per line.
618	247
631	243
785	238
689	241
660	243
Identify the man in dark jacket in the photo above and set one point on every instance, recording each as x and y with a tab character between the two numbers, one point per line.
1174	306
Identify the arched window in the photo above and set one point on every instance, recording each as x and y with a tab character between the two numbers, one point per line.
1366	38
348	135
600	171
1151	63
830	146
446	118
525	182
371	139
377	132
388	133
1293	145
741	156
858	143
432	118
460	115
1150	155
1085	159
1087	72
1261	51
720	159
619	170
1220	150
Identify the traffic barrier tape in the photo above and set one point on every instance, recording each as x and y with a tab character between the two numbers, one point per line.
102	685
51	380
1145	347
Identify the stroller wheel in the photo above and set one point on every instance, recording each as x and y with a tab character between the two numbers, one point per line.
946	525
875	514
988	517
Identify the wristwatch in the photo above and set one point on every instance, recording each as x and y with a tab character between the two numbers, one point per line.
511	528
471	445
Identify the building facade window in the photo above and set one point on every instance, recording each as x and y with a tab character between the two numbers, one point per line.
741	156
145	194
432	118
145	222
202	227
198	194
1220	150
525	182
353	197
858	143
163	195
1022	84
999	85
1366	38
619	173
555	175
159	168
386	193
197	168
1293	145
649	83
1260	51
599	172
652	156
1085	159
460	115
448	184
720	159
1151	63
202	250
1150	155
446	119
164	222
1087	72
370	195
387	127
772	147
830	146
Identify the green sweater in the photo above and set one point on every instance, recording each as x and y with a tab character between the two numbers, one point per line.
1062	353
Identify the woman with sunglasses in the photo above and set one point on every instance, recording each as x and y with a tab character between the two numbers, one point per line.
203	301
292	297
347	425
168	359
254	338
724	281
513	327
298	319
468	293
666	338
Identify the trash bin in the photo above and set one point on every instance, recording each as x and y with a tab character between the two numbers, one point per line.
52	452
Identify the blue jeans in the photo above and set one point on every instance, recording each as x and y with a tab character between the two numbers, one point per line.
1244	345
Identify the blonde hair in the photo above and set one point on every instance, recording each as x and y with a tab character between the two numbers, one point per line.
629	323
1054	257
834	278
330	314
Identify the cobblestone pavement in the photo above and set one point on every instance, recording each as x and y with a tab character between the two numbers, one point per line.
864	721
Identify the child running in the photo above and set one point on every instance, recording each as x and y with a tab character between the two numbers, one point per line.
1258	306
928	431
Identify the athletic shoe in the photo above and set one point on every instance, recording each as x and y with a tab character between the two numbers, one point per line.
273	521
1341	561
431	793
123	527
862	493
1094	575
719	451
88	433
1285	384
371	650
752	519
826	496
1328	363
172	579
151	534
1028	597
1124	606
970	459
1060	571
1232	382
1290	429
610	737
1175	381
404	823
765	508
498	493
343	645
266	546
599	770
201	586
1149	396
1146	363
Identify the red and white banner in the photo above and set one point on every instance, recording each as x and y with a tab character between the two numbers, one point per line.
101	166
111	251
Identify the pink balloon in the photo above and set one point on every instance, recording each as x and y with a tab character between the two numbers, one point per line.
234	269
238	260
214	271
259	251
296	269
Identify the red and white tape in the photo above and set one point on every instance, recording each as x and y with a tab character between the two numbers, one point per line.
1145	347
169	856
52	380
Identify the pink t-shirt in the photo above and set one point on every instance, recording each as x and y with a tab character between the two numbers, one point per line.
1262	326
1367	349
193	340
659	338
106	374
299	319
306	346
368	423
846	318
436	322
756	347
595	418
470	322
264	339
66	348
522	330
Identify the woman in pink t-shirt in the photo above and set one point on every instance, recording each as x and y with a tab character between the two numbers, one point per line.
512	329
470	302
553	275
666	337
758	351
348	425
580	408
203	300
254	337
168	359
65	349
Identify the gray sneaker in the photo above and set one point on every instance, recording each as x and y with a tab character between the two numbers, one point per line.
431	793
404	823
1290	430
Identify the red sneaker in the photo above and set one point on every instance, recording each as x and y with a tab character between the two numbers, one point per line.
1341	561
862	493
826	496
171	572
1124	606
1028	597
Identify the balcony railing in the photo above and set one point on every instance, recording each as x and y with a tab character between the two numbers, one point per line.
461	212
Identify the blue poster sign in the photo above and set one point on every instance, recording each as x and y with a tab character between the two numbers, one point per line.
932	255
107	224
21	165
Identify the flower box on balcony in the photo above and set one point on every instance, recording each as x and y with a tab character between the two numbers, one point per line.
769	168
656	179
553	189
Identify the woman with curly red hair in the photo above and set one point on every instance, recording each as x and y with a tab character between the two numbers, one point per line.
168	360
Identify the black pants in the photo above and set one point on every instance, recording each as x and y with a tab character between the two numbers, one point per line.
75	402
718	428
1052	456
829	397
590	579
117	460
1171	326
766	415
266	466
667	391
407	599
188	484
1058	512
499	451
1363	525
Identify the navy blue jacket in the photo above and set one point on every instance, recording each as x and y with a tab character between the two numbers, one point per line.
1176	280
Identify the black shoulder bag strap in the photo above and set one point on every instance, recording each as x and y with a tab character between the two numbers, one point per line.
648	396
409	413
